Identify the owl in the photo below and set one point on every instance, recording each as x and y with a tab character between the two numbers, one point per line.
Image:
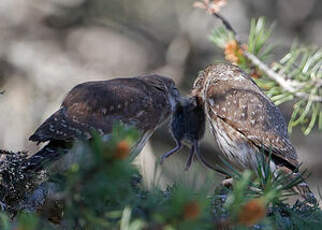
242	118
144	102
244	121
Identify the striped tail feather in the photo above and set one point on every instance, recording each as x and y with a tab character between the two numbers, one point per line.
301	187
50	153
304	191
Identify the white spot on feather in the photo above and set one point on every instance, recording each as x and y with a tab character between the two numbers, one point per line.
211	101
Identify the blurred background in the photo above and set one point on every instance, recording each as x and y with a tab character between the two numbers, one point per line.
49	46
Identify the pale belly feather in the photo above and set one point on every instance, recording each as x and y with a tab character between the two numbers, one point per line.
236	148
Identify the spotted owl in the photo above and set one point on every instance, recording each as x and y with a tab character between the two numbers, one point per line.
243	120
145	102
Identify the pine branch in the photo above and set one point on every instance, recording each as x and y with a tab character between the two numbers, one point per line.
291	86
288	85
296	77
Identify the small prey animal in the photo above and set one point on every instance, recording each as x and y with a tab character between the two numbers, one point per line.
187	127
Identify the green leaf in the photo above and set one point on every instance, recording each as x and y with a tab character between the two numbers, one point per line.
220	36
305	112
297	108
315	113
258	36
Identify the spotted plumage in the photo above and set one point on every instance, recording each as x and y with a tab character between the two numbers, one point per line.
238	110
144	102
244	120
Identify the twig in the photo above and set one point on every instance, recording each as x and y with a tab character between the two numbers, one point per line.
226	23
287	85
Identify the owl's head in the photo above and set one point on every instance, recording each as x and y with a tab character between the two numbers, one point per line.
165	85
212	73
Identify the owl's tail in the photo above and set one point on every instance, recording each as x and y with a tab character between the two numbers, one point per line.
45	156
301	188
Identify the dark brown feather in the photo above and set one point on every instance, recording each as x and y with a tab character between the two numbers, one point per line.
144	102
97	105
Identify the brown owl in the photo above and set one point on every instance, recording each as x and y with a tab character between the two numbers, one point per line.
144	102
244	120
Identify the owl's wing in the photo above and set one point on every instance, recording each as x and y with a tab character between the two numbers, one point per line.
242	105
98	105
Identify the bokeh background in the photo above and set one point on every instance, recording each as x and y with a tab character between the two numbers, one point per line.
48	46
